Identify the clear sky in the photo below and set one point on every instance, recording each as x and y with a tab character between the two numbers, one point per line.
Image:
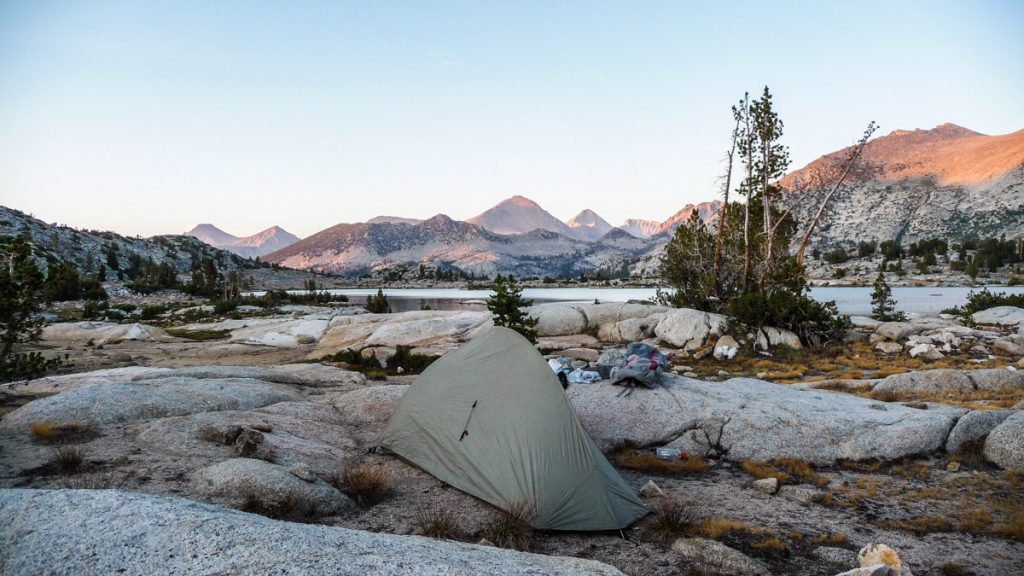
149	117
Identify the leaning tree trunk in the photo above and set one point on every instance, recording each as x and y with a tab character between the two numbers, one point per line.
855	154
725	210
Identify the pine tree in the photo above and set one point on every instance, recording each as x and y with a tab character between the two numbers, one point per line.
507	304
378	304
21	293
883	306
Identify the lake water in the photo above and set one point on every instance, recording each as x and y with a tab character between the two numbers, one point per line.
850	300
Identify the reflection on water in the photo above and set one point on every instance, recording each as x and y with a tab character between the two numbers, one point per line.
927	301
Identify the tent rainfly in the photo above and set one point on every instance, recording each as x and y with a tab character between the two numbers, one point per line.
492	420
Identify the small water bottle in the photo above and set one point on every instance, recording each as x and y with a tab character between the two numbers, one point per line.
668	453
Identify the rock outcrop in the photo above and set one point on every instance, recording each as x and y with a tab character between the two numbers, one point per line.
751	419
689	329
117	402
999	316
113	532
974	426
256	483
1005	444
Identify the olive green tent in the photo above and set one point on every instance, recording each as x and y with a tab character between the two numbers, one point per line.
492	420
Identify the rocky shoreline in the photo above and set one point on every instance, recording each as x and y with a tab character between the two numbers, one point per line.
787	473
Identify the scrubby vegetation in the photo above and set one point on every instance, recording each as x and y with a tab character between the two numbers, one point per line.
983	300
403	361
199	335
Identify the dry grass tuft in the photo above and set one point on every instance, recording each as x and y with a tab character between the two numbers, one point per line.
1013	527
715	528
259	500
760	471
364	484
770	542
828	539
672	517
800	469
952	569
61	431
975	521
68	459
863	467
512	528
436	521
633	460
912	471
920	524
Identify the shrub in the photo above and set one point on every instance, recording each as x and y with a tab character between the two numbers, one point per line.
512	528
364	484
837	256
152	312
409	362
436	521
671	517
199	335
224	306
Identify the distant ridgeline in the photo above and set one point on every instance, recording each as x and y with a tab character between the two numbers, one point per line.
145	264
946	183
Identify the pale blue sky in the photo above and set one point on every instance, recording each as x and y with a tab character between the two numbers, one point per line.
150	117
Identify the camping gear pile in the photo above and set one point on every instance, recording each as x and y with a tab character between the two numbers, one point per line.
568	372
492	420
642	365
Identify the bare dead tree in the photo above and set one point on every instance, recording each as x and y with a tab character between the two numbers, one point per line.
748	155
725	196
851	159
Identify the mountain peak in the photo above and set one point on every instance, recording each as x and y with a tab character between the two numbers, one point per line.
518	200
519	215
587	225
951	154
259	244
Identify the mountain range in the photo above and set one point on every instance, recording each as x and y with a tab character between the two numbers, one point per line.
948	182
88	250
259	244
